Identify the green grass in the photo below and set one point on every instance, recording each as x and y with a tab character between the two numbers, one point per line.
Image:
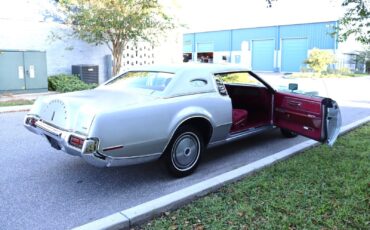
361	75
326	75
16	102
321	188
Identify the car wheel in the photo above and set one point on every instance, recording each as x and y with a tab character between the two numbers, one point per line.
287	133
183	153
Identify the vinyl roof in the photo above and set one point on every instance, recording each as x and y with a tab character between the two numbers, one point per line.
191	67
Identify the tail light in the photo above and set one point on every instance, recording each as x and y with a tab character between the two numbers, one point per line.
76	141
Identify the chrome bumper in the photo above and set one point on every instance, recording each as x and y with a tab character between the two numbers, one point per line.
89	151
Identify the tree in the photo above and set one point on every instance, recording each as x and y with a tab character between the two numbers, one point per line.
269	3
355	21
319	60
362	58
116	23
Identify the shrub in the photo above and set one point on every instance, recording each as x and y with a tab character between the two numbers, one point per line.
345	71
305	70
319	60
67	83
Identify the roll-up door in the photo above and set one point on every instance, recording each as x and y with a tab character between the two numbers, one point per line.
263	55
293	54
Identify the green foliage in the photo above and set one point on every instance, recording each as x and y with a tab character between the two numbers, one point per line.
321	188
355	21
344	71
238	78
116	22
67	83
363	58
319	60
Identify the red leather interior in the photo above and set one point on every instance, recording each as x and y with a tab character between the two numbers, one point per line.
239	119
253	99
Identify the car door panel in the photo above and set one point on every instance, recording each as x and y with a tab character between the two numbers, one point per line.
317	118
299	114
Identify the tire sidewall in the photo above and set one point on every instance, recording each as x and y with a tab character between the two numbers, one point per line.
169	153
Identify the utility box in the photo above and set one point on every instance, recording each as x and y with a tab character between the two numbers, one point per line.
23	71
87	73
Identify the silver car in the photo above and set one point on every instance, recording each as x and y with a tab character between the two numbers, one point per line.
174	113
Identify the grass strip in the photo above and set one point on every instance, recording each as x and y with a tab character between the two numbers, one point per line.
16	102
321	188
327	75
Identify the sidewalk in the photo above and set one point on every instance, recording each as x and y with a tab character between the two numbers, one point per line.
27	96
340	89
18	108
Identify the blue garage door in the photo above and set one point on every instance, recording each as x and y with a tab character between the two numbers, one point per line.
293	54
263	55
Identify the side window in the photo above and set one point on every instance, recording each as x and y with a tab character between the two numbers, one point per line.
241	78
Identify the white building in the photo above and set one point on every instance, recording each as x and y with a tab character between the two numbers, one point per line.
24	27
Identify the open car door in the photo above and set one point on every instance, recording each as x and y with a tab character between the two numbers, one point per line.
313	117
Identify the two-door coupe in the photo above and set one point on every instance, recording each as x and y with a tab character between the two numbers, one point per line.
174	113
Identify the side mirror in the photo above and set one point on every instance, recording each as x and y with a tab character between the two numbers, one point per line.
293	86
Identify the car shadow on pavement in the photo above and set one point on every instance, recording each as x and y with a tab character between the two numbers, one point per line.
153	176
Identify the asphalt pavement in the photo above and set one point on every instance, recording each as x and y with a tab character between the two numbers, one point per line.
41	188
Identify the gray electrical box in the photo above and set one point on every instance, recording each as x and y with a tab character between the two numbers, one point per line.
87	73
23	71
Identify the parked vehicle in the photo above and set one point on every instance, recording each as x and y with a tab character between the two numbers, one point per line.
175	113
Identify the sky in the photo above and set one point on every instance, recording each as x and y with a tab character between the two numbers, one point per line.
205	15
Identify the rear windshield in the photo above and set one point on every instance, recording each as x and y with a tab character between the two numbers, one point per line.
142	79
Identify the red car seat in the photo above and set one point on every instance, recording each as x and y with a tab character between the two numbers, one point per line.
239	119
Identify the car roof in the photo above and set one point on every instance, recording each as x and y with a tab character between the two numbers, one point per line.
185	73
191	67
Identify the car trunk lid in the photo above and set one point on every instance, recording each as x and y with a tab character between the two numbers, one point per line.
75	111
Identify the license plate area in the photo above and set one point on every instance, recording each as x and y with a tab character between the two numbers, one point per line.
54	143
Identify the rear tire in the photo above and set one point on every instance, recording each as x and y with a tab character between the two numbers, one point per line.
184	151
287	133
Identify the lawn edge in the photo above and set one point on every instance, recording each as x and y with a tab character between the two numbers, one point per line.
148	210
17	108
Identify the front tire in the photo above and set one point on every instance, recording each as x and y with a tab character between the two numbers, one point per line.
287	133
184	151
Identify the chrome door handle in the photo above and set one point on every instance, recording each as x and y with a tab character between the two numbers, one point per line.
295	104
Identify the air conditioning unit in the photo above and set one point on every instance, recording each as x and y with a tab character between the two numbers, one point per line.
87	73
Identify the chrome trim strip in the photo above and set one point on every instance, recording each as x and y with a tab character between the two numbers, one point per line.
113	148
48	128
272	108
248	132
243	134
123	161
134	157
190	94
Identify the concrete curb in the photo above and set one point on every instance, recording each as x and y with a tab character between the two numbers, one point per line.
18	108
143	212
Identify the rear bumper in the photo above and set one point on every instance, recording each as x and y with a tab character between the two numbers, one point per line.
89	151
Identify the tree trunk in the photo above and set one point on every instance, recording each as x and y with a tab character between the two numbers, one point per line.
117	58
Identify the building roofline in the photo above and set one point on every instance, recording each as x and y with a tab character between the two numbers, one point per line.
255	27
